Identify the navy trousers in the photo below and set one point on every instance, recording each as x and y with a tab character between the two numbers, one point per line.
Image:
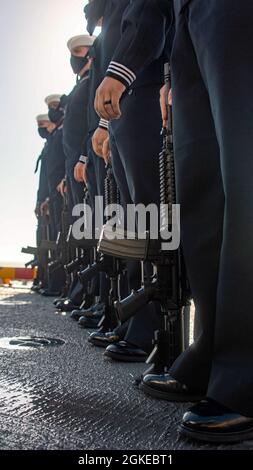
212	68
135	144
96	172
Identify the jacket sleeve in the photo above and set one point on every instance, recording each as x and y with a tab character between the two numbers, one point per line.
84	150
43	190
145	27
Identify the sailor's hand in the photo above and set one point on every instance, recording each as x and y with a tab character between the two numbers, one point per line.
106	150
108	97
98	139
78	172
44	208
51	127
61	188
164	110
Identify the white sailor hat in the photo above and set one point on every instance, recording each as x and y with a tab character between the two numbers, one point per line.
42	117
53	99
81	40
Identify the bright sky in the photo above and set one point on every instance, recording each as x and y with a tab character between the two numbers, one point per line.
34	63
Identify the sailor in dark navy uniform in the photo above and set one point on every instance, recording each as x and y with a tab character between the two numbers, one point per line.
134	143
213	145
43	122
75	128
44	127
95	165
55	170
212	66
55	160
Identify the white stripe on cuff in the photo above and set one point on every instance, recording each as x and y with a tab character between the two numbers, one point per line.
83	159
122	71
104	123
115	72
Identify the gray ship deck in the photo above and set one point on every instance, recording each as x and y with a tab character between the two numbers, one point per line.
70	396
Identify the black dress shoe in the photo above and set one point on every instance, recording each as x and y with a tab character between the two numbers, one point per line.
66	306
151	370
77	314
95	308
211	422
103	339
60	299
60	303
87	316
164	387
96	315
85	322
35	288
125	352
88	313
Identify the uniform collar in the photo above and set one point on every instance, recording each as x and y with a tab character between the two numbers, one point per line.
84	77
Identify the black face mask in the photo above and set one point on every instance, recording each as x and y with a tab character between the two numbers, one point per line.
55	115
94	11
43	132
78	63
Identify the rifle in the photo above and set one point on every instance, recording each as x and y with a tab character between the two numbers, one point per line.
168	285
44	252
62	252
84	251
110	265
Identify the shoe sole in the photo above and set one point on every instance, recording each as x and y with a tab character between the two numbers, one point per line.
169	396
116	357
88	319
98	343
216	437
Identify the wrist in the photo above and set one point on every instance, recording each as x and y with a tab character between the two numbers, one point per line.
83	159
121	73
103	124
